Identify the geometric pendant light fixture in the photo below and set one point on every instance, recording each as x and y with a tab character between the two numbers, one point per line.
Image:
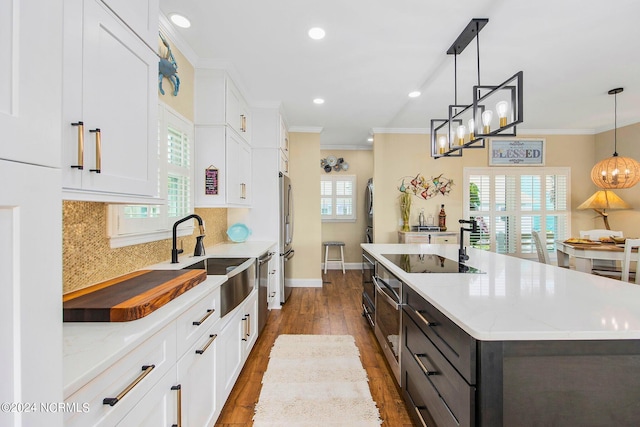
616	171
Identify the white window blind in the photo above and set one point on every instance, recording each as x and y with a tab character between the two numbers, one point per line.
338	198
510	203
132	224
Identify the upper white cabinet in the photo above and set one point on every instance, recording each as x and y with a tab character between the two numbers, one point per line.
223	133
284	148
110	113
218	101
30	39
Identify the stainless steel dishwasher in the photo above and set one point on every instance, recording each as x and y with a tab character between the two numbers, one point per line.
263	289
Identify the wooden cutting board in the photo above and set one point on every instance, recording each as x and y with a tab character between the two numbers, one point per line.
129	297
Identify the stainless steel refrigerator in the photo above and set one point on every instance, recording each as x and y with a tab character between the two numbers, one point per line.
368	196
286	233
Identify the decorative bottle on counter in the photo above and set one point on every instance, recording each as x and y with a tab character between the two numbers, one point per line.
421	220
442	219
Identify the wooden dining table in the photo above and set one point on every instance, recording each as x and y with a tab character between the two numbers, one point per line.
584	254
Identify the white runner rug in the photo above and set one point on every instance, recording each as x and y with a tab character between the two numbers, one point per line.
315	380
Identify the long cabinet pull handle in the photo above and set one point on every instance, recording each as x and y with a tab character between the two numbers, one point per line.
422	367
244	328
424	319
243	123
205	317
178	388
98	168
111	401
420	417
80	164
248	325
212	338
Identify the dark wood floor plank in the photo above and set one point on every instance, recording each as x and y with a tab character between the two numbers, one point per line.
333	309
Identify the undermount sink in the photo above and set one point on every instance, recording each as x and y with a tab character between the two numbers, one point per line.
217	266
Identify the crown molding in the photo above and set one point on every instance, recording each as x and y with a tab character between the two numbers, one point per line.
305	129
368	147
169	31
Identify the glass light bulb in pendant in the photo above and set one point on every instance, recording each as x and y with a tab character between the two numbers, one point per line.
472	128
442	141
502	108
461	131
487	116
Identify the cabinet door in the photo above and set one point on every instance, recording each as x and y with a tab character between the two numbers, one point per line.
111	86
30	81
237	112
140	15
250	323
271	280
197	376
230	357
238	170
30	307
159	407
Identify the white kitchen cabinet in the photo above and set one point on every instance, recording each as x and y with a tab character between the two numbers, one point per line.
30	79
284	148
427	237
197	376
236	340
159	407
272	282
110	112
222	148
218	101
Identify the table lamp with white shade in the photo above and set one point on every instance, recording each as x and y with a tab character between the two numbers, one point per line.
603	200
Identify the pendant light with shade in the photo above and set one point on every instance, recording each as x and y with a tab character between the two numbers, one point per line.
616	171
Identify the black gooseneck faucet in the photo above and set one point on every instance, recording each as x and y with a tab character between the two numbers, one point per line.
462	252
199	249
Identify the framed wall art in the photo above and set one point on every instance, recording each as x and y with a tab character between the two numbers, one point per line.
517	152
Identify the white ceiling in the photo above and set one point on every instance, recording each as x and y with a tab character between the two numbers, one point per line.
376	52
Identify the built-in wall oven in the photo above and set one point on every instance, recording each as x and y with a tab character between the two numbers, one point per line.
368	288
388	315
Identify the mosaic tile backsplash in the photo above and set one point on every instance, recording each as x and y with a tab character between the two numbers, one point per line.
89	259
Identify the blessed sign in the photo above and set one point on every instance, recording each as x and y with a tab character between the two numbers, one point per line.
516	152
211	181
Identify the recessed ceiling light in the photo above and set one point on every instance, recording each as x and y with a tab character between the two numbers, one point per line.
316	33
414	94
318	101
180	21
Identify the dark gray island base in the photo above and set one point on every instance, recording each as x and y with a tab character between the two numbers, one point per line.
448	378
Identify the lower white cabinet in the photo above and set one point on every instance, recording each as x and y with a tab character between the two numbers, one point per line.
182	375
159	407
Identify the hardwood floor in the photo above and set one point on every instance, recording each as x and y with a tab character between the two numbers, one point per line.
333	309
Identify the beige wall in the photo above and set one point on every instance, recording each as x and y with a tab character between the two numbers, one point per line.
400	155
183	102
87	255
352	233
304	158
628	146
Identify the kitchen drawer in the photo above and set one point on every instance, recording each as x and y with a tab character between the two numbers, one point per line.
454	343
158	351
195	321
447	396
415	404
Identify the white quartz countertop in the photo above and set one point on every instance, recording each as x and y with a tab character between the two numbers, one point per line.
517	299
91	347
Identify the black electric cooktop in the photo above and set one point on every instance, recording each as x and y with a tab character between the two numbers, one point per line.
428	263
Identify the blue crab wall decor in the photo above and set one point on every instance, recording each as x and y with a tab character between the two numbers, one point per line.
168	68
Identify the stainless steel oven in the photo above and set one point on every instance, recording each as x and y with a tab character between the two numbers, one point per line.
368	288
388	315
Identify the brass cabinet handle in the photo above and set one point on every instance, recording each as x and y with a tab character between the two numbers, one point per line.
243	123
244	328
248	325
424	319
80	164
111	401
206	346
205	317
98	150
420	417
422	367
178	388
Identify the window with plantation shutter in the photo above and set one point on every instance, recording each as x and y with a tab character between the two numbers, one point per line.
510	203
133	224
338	198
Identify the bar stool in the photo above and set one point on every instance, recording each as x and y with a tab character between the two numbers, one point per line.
326	254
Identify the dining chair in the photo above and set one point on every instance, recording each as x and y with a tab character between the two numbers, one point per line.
540	240
595	235
626	274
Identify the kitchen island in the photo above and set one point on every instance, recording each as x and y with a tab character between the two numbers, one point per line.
520	343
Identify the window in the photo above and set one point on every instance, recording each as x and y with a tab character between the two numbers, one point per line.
133	224
510	203
338	198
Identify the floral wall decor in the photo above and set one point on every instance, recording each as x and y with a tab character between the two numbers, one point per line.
333	163
424	188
